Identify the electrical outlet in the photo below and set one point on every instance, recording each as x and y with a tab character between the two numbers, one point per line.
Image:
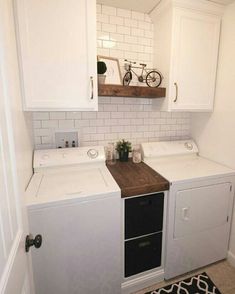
66	139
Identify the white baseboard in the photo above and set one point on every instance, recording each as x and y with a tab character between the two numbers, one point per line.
231	258
142	282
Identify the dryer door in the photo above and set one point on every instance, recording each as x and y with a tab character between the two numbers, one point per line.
200	209
198	227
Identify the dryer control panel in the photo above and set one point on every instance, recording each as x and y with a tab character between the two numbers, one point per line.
168	148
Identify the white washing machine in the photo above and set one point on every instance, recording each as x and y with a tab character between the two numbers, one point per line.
74	203
200	205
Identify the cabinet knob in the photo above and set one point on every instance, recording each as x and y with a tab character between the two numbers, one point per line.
92	87
176	92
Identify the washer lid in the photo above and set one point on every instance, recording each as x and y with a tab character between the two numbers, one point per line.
71	184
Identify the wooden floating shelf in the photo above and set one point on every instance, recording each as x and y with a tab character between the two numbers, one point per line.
131	91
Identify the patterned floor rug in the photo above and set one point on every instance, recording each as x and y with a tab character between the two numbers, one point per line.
199	284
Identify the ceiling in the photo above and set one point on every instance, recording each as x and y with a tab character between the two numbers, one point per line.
144	5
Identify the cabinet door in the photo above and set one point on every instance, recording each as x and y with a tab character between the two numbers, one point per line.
57	49
195	40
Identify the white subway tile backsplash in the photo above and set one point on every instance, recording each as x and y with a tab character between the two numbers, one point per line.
116	37
99	43
131	39
116	100
147	18
108	10
124	12
137	15
102	114
97	137
81	123
131	55
88	115
42	132
66	124
116	20
57	115
103	130
144	25
98	8
109	44
148	34
116	53
124	46
37	124
123	30
40	115
50	123
46	140
102	35
117	114
131	23
117	129
96	122
103	18
110	122
109	27
98	26
111	136
89	130
37	140
121	34
110	107
137	32
73	115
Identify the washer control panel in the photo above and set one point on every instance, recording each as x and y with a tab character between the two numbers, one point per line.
68	156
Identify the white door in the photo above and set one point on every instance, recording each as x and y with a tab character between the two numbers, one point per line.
14	268
57	41
194	60
14	272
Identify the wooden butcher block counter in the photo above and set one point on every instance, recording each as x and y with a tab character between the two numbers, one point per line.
137	178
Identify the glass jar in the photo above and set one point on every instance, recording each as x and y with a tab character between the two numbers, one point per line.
110	154
136	155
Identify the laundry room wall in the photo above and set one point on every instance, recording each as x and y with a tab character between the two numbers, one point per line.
214	133
122	34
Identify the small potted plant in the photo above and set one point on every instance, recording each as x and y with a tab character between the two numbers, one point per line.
101	69
123	148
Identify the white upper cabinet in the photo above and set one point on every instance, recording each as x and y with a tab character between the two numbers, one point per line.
186	51
57	53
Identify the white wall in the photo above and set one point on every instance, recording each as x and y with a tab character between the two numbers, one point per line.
214	132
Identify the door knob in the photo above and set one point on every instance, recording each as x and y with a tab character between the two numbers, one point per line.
36	242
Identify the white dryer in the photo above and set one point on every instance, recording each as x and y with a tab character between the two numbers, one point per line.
200	205
74	203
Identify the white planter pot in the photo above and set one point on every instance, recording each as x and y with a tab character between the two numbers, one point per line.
101	79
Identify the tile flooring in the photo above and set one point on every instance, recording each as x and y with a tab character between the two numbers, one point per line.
221	273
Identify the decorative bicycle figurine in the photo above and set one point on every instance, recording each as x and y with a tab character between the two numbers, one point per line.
152	78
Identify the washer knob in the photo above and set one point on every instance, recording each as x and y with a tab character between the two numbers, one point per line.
92	153
188	145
